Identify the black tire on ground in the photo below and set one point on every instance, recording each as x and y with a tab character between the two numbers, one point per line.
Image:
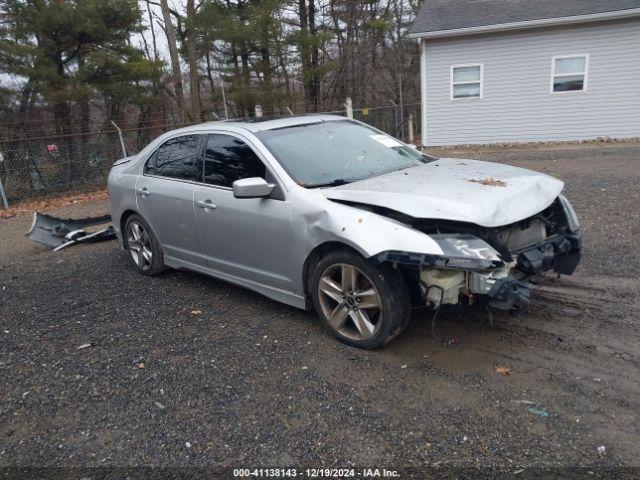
156	266
392	291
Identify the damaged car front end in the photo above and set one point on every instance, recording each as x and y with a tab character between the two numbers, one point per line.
493	264
494	228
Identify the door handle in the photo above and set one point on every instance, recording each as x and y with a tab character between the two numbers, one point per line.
143	192
206	204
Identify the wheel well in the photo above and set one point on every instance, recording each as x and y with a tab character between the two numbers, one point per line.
410	277
124	217
314	257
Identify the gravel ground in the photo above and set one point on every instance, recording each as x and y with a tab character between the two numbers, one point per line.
252	383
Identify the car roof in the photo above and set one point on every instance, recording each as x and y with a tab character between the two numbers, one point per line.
258	125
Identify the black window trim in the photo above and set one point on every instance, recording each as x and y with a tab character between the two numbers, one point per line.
278	192
199	156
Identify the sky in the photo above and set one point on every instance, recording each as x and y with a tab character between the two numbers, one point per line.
161	39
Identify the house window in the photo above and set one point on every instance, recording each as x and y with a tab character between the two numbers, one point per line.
569	73
466	81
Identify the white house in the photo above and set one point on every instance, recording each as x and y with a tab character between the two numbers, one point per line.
528	70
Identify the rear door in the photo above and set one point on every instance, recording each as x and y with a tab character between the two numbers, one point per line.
165	197
249	238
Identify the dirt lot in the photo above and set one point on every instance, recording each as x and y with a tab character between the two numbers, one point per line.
252	383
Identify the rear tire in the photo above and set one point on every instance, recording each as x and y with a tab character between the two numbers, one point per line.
143	246
361	304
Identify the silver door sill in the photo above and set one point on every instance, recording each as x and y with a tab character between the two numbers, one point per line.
274	293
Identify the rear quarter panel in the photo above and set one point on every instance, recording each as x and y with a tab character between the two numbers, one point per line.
122	197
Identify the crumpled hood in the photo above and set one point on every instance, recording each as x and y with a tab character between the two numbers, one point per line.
498	195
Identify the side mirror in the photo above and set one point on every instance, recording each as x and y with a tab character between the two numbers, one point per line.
255	187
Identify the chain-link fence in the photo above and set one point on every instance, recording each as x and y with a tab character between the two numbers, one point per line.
36	165
33	165
400	121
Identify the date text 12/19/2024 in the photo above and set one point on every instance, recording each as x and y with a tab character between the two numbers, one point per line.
316	473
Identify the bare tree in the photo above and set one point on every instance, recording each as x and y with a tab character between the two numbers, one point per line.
173	54
194	78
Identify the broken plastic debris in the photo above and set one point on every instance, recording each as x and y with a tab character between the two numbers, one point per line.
60	233
602	450
84	345
541	412
159	405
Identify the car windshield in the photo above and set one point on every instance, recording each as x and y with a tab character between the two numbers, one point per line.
338	152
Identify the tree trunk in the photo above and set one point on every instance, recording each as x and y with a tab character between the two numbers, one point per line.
305	55
246	81
175	59
194	80
153	33
314	80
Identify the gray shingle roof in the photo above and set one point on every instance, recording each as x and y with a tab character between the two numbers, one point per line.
437	15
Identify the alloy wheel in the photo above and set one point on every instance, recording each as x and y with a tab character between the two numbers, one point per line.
139	245
350	302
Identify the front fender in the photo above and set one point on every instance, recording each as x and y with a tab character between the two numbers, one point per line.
366	232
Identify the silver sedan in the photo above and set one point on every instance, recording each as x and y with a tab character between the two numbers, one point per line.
328	213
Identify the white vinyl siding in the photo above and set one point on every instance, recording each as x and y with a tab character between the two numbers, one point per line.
518	103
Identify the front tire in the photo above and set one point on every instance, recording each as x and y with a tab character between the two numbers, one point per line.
361	304
143	247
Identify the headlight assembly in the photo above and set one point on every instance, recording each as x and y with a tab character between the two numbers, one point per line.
459	252
466	251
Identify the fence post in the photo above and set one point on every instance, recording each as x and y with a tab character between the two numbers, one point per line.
410	128
124	150
398	127
4	196
224	99
349	105
258	110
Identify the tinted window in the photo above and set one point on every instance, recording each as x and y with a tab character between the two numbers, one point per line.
177	158
228	159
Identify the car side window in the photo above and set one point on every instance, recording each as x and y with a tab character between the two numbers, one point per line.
227	159
176	158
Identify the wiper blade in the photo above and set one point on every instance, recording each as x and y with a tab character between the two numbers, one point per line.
333	183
